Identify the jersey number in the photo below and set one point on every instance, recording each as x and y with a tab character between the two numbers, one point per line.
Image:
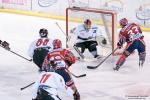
44	78
134	30
42	42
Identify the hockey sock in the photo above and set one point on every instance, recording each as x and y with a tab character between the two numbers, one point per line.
121	60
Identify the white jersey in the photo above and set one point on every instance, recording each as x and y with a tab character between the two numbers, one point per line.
52	83
40	43
89	35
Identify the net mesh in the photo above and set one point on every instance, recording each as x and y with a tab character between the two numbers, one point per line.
105	20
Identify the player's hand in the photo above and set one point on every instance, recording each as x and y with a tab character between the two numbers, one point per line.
5	45
104	41
119	45
0	41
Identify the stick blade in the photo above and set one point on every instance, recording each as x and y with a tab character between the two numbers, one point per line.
82	75
91	67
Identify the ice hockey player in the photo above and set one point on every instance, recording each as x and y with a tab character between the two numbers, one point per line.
5	44
40	47
132	35
48	85
61	59
86	37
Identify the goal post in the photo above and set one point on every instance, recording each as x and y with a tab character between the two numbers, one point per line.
106	20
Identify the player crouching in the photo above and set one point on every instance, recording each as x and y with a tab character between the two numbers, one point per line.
48	85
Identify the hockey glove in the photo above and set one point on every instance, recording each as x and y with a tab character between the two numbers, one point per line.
119	45
104	41
5	45
76	95
0	41
68	61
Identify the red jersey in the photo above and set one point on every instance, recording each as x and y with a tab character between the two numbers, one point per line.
130	33
61	57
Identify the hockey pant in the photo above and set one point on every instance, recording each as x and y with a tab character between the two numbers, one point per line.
39	56
66	76
44	95
90	45
137	44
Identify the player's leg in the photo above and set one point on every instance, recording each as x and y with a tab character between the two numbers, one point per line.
142	52
68	80
39	56
129	49
81	45
65	74
92	48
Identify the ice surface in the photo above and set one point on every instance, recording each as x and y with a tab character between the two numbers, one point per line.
129	83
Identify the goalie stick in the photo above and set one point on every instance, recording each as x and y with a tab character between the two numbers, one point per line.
94	67
78	51
17	54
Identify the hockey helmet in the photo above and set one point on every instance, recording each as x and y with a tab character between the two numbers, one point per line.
123	22
87	23
43	32
57	44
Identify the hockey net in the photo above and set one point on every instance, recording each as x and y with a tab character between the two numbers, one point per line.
105	20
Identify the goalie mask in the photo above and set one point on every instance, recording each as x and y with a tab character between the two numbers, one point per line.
43	32
87	24
123	22
57	44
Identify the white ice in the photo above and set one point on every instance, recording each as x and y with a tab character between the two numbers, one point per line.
129	83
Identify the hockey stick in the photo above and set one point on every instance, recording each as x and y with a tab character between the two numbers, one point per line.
27	86
62	32
60	29
94	67
17	54
78	51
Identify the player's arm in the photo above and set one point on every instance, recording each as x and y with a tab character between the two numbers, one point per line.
61	85
35	87
31	49
121	41
69	57
35	91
